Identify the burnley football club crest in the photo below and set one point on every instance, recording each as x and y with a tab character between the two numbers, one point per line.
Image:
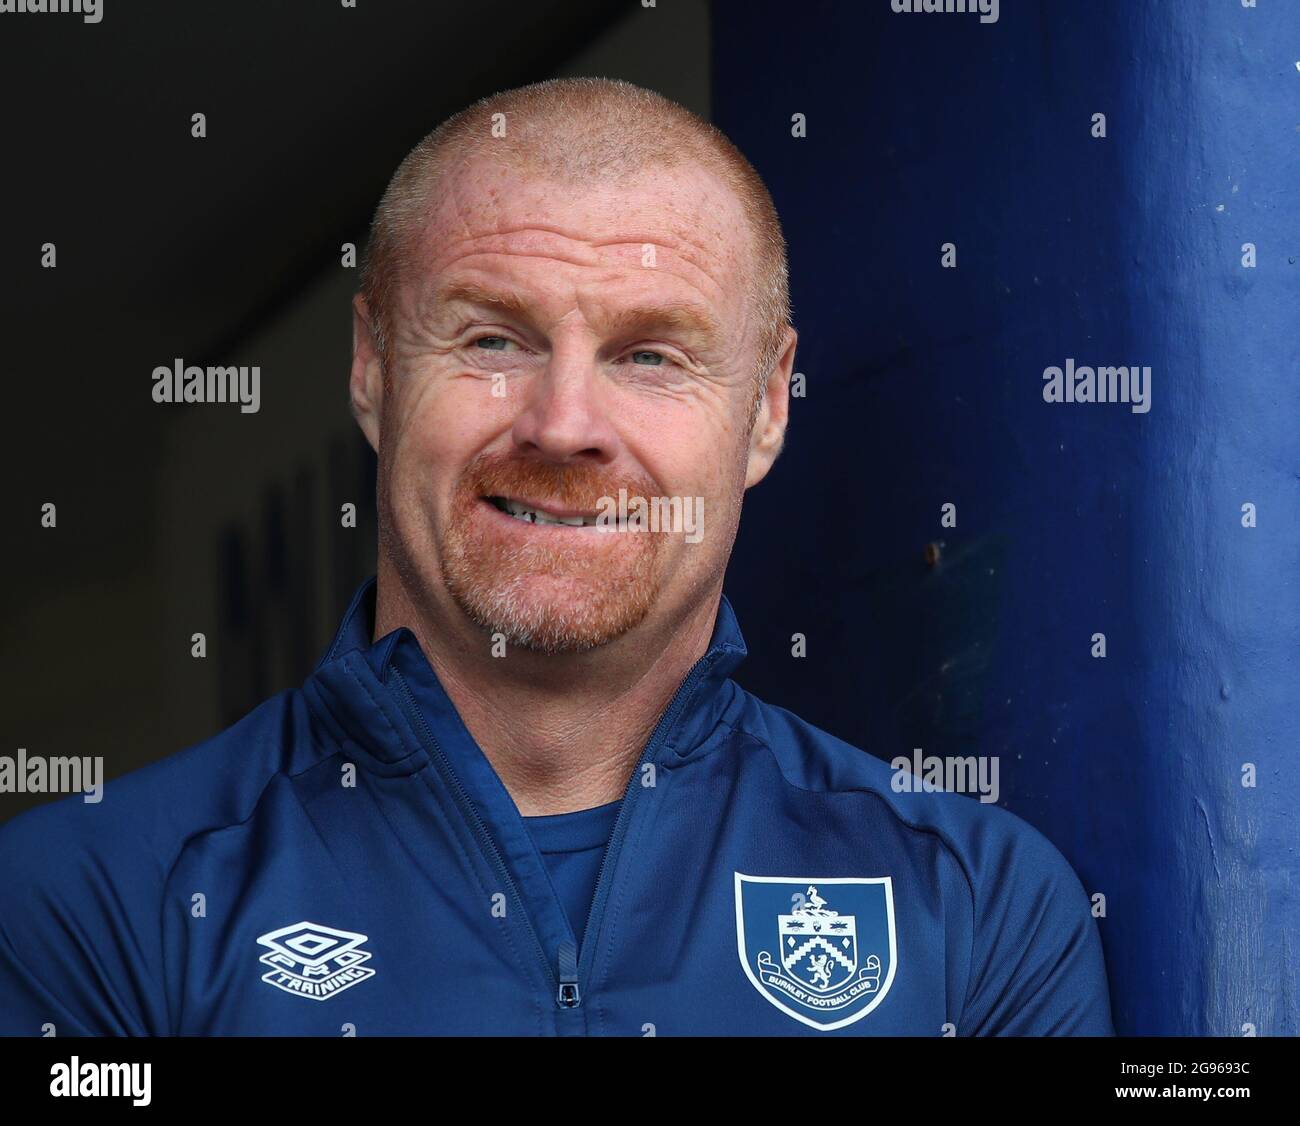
821	950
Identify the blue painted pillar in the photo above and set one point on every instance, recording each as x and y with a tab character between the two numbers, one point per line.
925	387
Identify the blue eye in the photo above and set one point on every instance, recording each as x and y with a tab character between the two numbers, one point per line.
492	343
650	359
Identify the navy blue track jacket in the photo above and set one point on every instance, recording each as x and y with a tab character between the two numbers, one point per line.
345	855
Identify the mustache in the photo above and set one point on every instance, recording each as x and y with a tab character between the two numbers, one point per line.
576	485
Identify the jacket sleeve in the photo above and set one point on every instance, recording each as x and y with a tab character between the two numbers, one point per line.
1037	967
80	925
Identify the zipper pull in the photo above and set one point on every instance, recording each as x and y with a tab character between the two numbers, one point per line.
568	997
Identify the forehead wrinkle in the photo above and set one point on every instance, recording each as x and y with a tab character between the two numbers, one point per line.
695	250
700	263
687	251
707	262
675	213
433	294
674	315
690	250
505	252
485	242
699	246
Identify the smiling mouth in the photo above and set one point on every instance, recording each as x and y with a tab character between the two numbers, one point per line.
539	516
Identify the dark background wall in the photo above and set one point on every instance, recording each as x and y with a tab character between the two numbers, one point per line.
924	387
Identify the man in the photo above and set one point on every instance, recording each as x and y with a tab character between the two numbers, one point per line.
519	794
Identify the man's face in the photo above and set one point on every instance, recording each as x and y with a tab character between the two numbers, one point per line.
552	346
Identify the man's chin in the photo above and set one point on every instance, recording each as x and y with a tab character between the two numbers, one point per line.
542	617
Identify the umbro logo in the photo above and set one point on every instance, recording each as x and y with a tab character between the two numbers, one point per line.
311	960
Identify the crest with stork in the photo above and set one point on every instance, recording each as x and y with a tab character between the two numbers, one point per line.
835	944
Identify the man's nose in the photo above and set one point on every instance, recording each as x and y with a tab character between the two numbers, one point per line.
564	415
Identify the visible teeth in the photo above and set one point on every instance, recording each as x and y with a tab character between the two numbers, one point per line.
533	516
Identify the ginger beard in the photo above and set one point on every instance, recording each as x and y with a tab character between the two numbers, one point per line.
551	590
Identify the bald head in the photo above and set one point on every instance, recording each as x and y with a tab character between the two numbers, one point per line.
576	131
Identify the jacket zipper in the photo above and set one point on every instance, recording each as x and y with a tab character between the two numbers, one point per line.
571	970
486	843
622	821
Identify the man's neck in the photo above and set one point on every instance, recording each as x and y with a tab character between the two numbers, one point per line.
563	732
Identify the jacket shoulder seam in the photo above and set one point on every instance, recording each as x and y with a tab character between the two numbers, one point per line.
189	839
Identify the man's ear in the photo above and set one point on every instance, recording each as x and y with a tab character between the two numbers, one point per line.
768	435
366	385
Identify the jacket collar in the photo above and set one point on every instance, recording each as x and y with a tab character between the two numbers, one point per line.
353	692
